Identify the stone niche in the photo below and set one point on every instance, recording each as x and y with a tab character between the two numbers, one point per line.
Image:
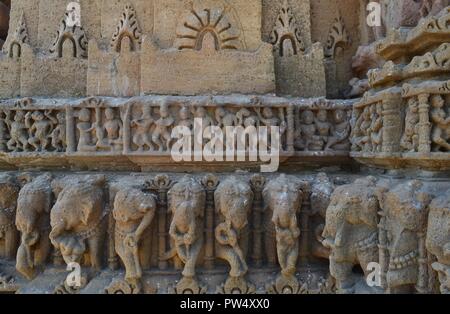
299	66
207	47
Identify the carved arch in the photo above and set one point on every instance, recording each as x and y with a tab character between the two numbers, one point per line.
128	27
337	37
75	34
286	29
16	39
214	22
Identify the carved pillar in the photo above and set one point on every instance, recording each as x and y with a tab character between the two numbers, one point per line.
392	123
113	262
424	124
70	130
383	249
162	184
305	213
210	183
290	137
422	280
257	181
127	129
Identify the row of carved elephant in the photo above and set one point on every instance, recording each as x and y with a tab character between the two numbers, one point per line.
71	214
365	222
404	228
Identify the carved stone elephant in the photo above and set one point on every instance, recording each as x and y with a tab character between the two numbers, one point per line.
405	208
33	221
351	230
9	237
438	238
133	213
187	203
282	202
78	220
233	201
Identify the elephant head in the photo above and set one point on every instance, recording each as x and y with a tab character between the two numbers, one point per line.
438	238
33	221
233	199
406	210
76	215
352	215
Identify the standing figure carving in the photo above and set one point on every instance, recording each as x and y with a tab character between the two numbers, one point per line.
187	204
133	213
233	201
282	202
33	222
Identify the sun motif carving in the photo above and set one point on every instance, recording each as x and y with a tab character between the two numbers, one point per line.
208	27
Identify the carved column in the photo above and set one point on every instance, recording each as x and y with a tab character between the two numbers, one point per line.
210	183
257	182
305	213
383	249
113	262
70	130
392	123
127	129
162	184
422	280
290	137
424	124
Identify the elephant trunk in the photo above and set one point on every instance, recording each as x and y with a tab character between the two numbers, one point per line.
25	263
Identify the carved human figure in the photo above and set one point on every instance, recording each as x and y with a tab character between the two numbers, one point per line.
78	219
361	132
340	132
321	190
225	118
351	230
4	132
233	200
9	191
58	135
85	129
114	130
410	138
323	126
33	221
187	204
405	208
18	132
307	139
185	118
438	238
133	213
282	202
141	137
161	134
440	134
40	129
376	127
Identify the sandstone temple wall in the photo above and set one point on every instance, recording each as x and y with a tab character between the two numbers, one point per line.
91	97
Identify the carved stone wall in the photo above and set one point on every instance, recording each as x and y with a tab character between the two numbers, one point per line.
89	110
